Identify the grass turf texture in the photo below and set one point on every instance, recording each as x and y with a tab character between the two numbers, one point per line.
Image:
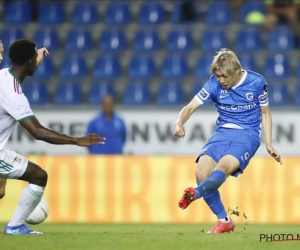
144	237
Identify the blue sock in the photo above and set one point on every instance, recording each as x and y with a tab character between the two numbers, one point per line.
215	204
211	184
213	200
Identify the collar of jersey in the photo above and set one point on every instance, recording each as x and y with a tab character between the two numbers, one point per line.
15	77
242	79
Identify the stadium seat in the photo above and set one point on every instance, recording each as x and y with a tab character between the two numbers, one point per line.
107	67
112	41
73	66
146	41
297	95
196	88
117	14
142	67
17	12
36	93
67	93
213	40
177	15
78	41
151	14
170	93
278	94
46	69
248	41
137	93
98	90
8	36
298	70
174	67
218	13
247	62
277	67
251	6
179	41
51	13
281	39
47	38
6	63
85	13
203	67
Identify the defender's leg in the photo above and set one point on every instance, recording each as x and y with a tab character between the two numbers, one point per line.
2	188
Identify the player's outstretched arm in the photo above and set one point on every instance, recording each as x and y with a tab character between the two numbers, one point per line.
184	115
39	132
267	126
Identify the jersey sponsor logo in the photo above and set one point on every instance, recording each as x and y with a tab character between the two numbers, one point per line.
249	96
203	94
224	91
238	107
223	96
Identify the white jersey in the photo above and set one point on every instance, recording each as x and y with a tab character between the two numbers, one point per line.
14	106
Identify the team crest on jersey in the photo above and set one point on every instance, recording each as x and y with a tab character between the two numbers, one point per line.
203	93
249	96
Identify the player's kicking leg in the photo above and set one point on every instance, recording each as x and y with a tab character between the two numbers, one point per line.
208	189
2	188
15	166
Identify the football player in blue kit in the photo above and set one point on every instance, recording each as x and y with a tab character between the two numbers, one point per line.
241	98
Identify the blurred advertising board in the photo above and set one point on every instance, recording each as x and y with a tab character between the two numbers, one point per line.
131	189
151	132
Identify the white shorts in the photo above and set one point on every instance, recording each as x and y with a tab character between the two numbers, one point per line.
12	165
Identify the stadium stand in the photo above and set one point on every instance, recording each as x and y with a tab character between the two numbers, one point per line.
144	45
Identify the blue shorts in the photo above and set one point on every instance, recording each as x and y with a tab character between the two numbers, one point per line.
236	142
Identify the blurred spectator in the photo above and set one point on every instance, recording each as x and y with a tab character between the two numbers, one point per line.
109	125
282	11
236	3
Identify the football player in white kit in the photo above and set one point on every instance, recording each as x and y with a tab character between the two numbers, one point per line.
2	181
14	108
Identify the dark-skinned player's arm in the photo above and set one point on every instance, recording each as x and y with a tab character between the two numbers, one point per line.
39	132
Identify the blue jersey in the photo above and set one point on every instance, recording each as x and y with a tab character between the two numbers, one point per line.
239	106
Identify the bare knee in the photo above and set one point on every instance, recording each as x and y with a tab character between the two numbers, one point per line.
35	175
204	168
41	178
2	188
202	175
270	21
2	194
228	164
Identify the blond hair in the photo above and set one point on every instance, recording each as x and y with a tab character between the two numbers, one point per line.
225	61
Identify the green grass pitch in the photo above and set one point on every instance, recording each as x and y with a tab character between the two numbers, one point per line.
146	237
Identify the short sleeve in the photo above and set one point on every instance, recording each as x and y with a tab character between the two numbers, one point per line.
263	93
206	93
17	106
